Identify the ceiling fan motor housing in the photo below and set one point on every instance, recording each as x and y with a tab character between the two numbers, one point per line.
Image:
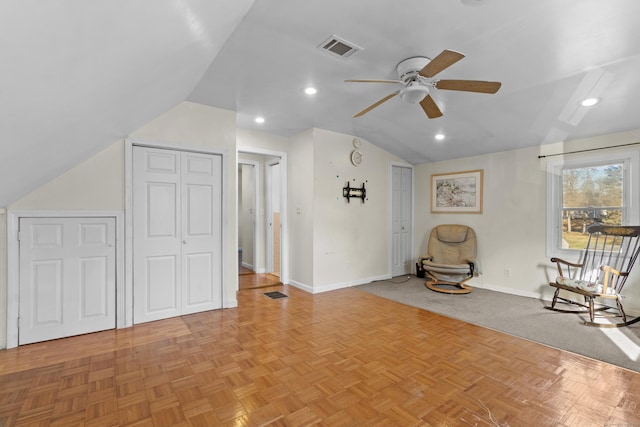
410	67
415	90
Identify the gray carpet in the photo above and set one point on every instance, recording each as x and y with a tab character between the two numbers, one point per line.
519	316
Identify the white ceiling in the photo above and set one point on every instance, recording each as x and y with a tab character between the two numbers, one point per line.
547	53
80	75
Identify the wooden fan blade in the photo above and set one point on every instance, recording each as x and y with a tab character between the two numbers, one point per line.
443	61
469	85
372	106
430	107
374	81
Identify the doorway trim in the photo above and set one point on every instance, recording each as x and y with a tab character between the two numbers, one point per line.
256	207
409	166
13	263
284	214
129	143
269	241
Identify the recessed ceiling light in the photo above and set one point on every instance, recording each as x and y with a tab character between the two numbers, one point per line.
310	91
589	102
439	136
259	119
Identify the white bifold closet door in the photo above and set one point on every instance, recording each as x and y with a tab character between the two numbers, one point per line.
67	277
177	221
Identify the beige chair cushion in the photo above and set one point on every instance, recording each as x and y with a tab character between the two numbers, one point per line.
452	244
452	233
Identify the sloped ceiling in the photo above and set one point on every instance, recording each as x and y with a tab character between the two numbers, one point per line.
79	75
548	54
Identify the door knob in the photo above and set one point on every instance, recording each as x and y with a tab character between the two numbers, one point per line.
184	242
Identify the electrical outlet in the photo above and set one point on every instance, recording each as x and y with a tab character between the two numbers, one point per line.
507	272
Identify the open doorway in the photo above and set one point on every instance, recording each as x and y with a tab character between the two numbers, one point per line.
261	219
247	214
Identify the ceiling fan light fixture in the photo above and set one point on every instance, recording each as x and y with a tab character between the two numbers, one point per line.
414	93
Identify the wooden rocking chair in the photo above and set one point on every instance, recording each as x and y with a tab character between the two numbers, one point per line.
450	259
606	263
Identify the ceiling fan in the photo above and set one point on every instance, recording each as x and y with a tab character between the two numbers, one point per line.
416	75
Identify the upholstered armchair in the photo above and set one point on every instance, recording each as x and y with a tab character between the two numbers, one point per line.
451	258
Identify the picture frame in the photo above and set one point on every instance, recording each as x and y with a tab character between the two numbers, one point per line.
457	192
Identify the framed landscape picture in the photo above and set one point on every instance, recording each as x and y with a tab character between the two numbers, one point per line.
459	192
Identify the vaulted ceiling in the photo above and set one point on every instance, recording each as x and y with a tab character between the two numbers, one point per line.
77	75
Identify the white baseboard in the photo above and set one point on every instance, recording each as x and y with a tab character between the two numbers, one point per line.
336	286
300	286
537	295
489	287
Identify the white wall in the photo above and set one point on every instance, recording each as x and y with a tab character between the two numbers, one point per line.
333	243
95	184
352	241
300	184
249	140
512	229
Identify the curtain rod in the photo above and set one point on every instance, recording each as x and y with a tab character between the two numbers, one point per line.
590	149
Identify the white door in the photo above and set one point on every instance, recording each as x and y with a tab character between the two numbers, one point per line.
401	220
67	277
177	233
201	232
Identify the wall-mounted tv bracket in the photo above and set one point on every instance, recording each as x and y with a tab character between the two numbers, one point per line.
349	192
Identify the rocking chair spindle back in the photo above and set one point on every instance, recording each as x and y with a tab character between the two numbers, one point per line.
605	265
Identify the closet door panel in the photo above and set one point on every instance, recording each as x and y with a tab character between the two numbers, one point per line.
157	226
201	233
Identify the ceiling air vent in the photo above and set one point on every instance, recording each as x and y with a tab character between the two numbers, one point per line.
339	47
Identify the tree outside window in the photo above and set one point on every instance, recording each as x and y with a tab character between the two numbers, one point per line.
590	195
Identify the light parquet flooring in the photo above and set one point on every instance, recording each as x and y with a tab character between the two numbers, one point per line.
340	358
257	280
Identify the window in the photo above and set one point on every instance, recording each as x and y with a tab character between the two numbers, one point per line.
586	190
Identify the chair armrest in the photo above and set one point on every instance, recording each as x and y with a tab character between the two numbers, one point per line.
608	283
569	267
561	261
612	270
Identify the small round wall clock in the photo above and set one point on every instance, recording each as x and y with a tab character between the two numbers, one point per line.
356	158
